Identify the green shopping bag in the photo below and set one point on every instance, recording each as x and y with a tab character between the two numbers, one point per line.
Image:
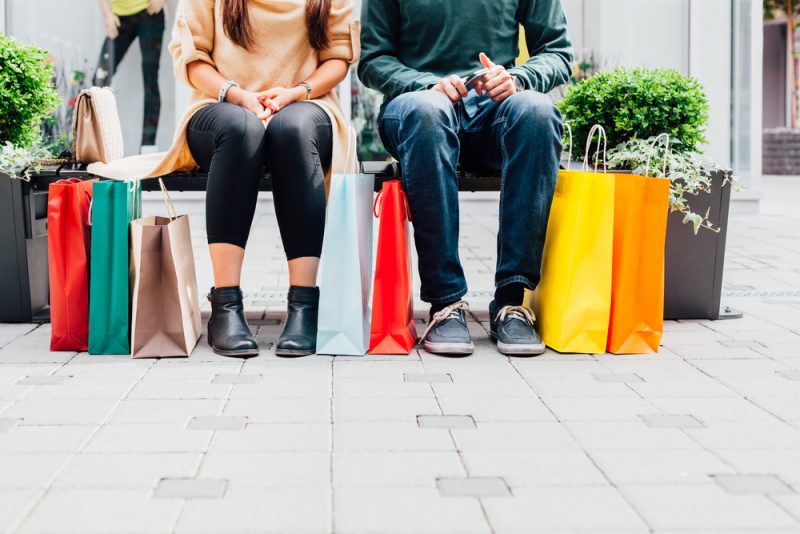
114	205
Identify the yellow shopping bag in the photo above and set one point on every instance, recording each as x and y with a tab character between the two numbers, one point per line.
573	300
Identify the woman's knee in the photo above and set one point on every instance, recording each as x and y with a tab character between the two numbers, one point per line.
239	131
298	127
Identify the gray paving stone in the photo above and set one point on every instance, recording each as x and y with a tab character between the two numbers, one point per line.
431	378
741	343
790	375
752	484
236	379
445	421
671	421
43	380
616	378
191	488
6	424
473	487
217	422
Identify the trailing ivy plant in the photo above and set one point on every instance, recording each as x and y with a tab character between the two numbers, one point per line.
638	103
27	93
19	162
690	175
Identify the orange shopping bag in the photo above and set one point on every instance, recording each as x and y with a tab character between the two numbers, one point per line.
641	208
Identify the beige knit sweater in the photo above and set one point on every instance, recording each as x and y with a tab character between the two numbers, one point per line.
282	56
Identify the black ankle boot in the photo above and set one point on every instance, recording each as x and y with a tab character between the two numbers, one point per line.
299	337
228	333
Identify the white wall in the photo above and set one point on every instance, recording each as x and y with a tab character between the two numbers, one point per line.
710	62
76	33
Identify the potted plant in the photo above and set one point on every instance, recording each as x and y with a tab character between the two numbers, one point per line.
635	106
27	97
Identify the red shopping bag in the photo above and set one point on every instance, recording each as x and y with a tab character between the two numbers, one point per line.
393	330
68	246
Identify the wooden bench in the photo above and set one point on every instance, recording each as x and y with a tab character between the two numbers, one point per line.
468	181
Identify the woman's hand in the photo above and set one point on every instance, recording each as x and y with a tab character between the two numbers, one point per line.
155	6
246	99
112	24
277	98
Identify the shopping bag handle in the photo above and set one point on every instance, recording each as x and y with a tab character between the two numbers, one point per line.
569	154
171	212
136	207
654	145
378	204
89	214
351	161
601	142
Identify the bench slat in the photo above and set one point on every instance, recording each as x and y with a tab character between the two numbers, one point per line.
197	181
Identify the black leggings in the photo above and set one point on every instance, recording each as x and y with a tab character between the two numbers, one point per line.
231	143
150	31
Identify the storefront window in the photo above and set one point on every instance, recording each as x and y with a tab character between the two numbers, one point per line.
75	36
741	149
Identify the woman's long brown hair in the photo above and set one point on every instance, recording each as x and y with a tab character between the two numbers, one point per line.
236	22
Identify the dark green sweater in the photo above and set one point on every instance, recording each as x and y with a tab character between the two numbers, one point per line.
408	45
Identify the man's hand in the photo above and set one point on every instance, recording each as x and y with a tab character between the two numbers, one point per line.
155	6
498	84
245	99
112	24
277	98
453	86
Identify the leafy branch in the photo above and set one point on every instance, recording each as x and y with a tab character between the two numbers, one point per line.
690	175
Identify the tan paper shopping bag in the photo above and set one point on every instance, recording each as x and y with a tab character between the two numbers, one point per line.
166	307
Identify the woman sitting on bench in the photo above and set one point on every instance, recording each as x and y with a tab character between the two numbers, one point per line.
263	74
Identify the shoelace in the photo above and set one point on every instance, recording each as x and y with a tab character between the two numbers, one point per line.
450	312
516	312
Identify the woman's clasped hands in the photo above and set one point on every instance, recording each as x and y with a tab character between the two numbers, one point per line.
264	104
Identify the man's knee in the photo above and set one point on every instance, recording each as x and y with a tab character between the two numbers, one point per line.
533	108
425	108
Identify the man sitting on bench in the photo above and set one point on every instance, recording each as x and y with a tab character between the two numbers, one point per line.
421	54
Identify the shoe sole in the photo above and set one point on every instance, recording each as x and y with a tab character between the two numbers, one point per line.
450	349
287	353
516	349
244	354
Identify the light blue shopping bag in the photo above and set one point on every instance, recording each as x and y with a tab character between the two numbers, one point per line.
346	267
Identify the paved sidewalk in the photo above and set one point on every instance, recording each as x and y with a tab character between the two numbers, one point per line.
703	437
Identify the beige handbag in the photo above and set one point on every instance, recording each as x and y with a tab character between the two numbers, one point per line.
96	129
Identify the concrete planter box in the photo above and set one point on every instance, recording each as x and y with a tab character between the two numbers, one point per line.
782	151
25	287
694	263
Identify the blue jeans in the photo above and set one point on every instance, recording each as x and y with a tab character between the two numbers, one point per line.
521	137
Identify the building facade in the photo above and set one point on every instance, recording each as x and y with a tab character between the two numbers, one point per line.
718	41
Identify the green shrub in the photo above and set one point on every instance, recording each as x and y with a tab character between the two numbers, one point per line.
27	94
637	103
